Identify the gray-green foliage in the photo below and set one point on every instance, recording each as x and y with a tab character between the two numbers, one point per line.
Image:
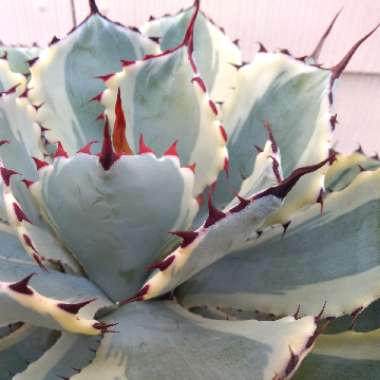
170	212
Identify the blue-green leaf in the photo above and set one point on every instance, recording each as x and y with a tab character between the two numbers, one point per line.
117	221
162	341
24	345
65	358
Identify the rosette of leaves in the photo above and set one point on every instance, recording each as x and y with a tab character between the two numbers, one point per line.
171	212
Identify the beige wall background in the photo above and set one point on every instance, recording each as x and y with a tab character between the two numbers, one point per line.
293	24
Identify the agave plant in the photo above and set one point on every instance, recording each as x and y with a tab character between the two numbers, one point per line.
171	212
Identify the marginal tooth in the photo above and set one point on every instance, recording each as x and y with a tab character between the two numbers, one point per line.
317	50
262	48
53	41
60	152
22	286
73	308
243	203
143	148
285	227
6	175
187	237
39	163
214	215
172	150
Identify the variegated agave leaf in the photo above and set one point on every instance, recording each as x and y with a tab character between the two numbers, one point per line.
347	349
20	57
154	165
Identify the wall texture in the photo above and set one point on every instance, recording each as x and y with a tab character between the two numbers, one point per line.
294	24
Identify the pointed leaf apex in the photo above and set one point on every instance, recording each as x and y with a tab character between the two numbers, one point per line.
338	69
188	38
87	148
138	297
93	7
317	50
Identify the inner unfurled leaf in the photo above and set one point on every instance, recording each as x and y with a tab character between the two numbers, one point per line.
115	218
